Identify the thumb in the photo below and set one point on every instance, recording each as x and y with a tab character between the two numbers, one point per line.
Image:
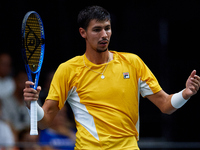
39	88
193	74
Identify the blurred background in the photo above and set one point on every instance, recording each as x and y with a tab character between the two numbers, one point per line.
164	33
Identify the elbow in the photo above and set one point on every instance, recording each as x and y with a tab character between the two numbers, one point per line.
167	111
167	108
43	125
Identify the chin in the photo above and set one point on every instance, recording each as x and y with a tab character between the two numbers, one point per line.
102	50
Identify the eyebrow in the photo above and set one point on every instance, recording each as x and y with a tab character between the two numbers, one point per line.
98	27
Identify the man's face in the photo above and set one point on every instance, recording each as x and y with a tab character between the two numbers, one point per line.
97	35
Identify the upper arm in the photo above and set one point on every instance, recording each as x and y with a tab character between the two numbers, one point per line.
163	101
60	86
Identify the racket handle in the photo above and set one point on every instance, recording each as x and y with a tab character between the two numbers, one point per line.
33	113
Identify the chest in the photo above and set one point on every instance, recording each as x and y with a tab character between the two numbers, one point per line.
119	85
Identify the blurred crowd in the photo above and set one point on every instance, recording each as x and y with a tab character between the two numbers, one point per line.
15	120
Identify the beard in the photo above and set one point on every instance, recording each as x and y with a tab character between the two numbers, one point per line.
102	50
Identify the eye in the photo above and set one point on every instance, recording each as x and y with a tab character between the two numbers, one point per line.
107	28
97	29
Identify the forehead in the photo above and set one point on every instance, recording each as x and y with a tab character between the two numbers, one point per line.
96	23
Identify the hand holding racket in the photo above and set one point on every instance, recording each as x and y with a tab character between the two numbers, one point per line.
33	53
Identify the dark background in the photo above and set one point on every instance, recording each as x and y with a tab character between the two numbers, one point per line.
164	33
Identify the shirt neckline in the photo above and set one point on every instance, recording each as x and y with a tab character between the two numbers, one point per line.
91	64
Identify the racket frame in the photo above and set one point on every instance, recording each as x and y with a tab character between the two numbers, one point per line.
33	105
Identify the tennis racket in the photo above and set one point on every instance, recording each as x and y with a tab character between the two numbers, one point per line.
33	53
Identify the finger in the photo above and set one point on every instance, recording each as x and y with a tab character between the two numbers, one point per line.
193	73
28	99
195	80
28	84
194	86
30	90
31	95
197	77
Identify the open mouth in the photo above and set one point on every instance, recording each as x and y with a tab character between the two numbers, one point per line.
103	42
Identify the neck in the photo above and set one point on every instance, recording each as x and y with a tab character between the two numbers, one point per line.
99	57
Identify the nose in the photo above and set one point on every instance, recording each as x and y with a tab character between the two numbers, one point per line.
104	34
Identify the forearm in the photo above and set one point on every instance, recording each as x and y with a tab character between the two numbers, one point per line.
50	111
168	103
167	107
46	121
46	114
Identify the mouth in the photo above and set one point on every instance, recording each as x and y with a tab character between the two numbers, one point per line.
103	42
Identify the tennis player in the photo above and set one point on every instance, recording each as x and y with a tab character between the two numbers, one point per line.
103	89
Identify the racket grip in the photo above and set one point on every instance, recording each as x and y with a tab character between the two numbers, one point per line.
33	114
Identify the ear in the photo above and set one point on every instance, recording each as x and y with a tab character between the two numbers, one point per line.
82	32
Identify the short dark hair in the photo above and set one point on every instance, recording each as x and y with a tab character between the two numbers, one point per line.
90	13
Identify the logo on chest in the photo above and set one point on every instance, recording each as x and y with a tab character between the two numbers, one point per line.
126	75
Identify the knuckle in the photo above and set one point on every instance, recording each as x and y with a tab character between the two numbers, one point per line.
26	99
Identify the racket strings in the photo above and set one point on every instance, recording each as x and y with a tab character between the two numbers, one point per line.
33	42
